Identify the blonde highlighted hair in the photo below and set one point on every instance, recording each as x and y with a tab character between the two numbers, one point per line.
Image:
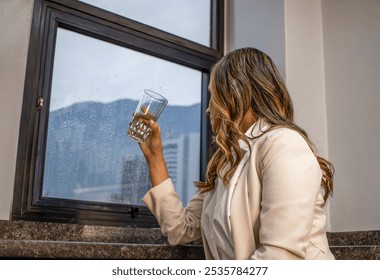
247	79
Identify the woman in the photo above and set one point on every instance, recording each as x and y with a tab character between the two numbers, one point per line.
265	186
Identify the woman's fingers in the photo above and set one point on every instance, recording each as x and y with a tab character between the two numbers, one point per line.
152	146
155	128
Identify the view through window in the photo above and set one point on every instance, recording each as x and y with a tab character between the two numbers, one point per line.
95	88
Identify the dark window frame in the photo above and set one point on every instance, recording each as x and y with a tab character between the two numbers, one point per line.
48	15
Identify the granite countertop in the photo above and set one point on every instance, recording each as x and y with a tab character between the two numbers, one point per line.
357	245
26	239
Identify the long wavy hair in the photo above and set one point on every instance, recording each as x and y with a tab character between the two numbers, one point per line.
247	79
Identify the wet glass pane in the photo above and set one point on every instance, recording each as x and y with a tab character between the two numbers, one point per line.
189	19
95	89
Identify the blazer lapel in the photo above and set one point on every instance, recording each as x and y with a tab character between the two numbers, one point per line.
238	201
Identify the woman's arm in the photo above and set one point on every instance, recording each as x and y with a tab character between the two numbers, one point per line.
181	225
153	153
291	179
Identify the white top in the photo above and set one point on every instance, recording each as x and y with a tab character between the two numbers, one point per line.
214	218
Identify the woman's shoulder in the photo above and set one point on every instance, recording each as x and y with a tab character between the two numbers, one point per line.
262	133
282	146
280	140
282	133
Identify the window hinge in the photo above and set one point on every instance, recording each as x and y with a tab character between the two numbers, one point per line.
40	102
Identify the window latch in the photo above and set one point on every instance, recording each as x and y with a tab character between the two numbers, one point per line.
40	103
133	211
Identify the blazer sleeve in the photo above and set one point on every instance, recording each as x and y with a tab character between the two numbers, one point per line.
291	180
181	225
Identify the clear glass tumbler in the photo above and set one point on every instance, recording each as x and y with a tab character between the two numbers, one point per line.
150	107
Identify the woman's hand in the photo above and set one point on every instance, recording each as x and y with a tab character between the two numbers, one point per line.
153	153
152	146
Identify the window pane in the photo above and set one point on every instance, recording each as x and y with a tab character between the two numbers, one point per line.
95	88
189	19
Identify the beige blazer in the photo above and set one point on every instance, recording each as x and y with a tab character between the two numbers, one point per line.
275	209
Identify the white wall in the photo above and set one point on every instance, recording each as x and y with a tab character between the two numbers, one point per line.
258	24
305	68
15	23
352	67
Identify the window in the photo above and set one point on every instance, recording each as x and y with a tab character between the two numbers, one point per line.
93	94
190	19
87	67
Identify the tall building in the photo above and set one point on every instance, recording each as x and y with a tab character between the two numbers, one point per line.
182	157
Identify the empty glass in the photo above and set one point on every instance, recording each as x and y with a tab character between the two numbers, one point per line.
150	107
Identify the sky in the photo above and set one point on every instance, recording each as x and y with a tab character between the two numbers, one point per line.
186	18
88	69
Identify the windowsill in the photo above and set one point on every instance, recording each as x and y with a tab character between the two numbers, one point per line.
25	239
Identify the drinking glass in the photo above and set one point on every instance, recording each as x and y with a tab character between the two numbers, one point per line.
150	107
